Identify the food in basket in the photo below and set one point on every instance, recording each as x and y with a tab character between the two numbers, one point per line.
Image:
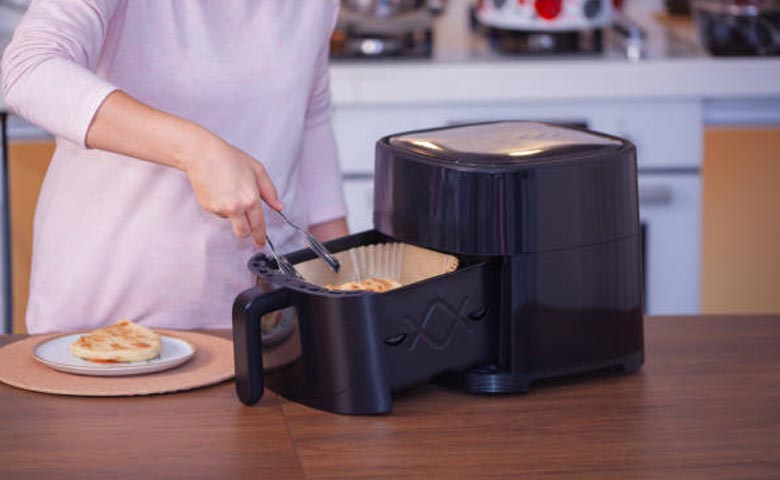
121	342
372	284
270	321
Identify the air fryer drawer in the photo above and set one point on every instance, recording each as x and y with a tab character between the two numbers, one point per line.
356	349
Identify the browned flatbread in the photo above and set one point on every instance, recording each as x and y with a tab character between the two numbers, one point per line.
372	284
123	341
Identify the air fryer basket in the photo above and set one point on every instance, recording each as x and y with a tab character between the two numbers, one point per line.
356	348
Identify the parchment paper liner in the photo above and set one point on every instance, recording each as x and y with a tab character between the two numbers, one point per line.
402	262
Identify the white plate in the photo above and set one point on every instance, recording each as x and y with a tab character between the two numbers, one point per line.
282	330
55	353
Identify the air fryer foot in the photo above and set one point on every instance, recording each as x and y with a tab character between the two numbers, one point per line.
489	379
633	362
486	379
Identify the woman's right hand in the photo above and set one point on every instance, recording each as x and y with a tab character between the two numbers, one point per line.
230	183
227	181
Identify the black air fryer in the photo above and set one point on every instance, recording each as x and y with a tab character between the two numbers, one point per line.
544	222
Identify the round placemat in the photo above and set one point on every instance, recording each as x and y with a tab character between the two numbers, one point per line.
211	364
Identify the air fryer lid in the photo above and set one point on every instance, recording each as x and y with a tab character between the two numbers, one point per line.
503	143
505	188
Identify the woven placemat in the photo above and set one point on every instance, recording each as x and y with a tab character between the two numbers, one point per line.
212	363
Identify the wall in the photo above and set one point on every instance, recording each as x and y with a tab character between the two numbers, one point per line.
741	220
28	163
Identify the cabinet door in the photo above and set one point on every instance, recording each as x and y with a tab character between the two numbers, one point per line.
28	161
741	220
359	194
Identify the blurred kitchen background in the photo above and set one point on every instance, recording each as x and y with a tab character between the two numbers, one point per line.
696	85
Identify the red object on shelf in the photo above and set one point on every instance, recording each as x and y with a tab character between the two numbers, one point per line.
548	9
618	4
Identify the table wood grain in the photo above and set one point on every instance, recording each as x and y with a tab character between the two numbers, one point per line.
205	433
705	405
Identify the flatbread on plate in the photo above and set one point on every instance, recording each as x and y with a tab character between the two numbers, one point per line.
121	342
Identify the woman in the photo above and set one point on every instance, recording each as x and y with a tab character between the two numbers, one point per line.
169	115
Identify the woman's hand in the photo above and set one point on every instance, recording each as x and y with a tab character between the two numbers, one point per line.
230	183
329	230
226	180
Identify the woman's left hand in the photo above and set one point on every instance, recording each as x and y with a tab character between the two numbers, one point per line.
329	230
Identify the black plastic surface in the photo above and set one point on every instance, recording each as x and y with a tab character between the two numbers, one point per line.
568	195
8	297
248	308
565	312
356	348
549	285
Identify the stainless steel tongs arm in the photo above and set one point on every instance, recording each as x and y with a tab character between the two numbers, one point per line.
314	244
284	265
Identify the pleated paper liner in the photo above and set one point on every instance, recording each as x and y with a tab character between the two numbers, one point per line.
402	262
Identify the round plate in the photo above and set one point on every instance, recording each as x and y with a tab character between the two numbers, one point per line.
282	330
55	353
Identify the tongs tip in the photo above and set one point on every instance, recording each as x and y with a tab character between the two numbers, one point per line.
314	244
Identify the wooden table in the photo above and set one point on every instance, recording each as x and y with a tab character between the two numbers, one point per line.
705	405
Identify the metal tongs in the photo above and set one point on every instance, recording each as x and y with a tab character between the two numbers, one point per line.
286	267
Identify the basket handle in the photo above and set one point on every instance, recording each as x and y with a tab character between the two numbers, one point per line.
248	308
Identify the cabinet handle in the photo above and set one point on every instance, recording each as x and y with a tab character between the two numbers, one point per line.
357	176
655	195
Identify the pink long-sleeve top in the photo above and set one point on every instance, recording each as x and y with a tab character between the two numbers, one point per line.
116	237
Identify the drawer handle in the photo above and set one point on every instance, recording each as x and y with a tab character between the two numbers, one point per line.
655	195
395	340
478	314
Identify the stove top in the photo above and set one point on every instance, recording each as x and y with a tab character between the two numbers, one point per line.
511	42
455	37
408	35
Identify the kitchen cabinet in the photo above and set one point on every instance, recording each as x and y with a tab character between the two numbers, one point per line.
28	161
741	220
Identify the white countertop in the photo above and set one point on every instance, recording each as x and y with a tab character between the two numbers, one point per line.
559	79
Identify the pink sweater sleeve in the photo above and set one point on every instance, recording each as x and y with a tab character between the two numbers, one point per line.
48	68
320	174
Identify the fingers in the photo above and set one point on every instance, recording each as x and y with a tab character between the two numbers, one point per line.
240	225
267	188
256	220
248	219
